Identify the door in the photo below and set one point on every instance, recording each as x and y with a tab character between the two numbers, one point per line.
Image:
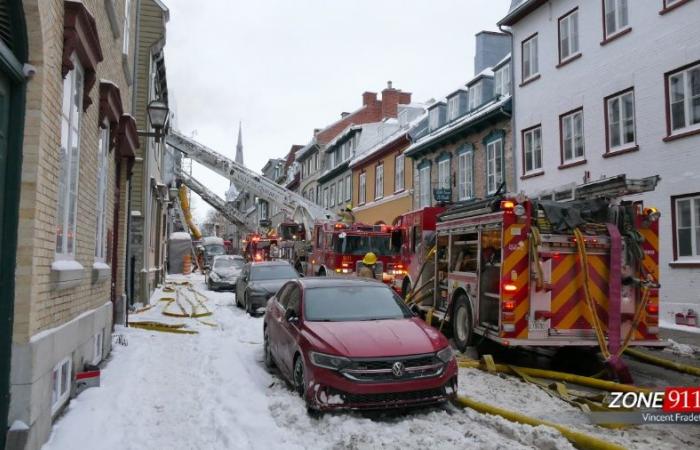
289	330
274	321
242	285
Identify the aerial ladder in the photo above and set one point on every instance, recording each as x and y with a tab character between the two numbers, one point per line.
293	205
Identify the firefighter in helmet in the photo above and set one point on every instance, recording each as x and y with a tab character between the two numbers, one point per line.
367	268
346	215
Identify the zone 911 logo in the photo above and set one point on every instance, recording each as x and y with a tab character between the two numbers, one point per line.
672	399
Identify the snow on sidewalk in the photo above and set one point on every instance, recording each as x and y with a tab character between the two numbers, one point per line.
210	391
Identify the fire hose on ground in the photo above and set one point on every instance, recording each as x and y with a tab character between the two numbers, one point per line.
668	364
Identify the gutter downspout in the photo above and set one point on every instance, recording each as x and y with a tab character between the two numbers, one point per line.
513	133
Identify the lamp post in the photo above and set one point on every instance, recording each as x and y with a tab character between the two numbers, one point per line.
158	116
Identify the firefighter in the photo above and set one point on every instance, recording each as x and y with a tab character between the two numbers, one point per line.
346	215
367	268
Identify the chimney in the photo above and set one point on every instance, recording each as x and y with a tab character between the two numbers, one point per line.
344	114
391	98
491	47
369	98
316	130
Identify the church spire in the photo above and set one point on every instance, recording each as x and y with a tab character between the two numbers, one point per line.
239	145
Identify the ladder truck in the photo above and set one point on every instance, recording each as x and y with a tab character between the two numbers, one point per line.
530	272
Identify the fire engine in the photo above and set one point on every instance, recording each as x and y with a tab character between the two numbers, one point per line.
258	247
338	249
534	272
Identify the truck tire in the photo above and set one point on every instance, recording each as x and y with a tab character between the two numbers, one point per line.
322	272
462	326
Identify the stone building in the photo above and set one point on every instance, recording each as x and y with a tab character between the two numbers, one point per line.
463	150
608	88
68	69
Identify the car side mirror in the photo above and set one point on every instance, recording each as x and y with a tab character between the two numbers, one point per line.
291	316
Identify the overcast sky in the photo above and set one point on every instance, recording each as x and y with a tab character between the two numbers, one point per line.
285	67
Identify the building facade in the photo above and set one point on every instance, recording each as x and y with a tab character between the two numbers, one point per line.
603	88
77	151
462	151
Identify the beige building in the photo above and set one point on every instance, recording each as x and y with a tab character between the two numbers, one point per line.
71	79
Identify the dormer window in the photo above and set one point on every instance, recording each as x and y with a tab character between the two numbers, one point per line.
434	118
502	80
453	108
475	95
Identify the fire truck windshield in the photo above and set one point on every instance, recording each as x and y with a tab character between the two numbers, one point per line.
289	232
360	245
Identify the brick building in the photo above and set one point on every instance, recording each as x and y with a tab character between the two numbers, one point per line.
73	161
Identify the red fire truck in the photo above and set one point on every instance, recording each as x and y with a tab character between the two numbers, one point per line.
338	249
259	248
533	272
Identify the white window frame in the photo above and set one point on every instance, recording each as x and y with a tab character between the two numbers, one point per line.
502	80
444	180
573	137
453	107
379	181
101	206
127	27
98	342
61	376
622	123
339	193
618	11
348	190
325	197
569	45
532	148
694	227
475	95
399	173
530	47
424	184
494	177
69	175
331	195
685	78
362	189
465	175
434	118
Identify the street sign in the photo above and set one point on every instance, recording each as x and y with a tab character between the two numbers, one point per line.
442	194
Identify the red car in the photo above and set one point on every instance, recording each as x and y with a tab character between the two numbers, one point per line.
347	343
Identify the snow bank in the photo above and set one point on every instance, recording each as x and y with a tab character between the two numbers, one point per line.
179	236
673	326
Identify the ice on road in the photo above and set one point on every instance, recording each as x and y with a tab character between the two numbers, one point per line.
210	391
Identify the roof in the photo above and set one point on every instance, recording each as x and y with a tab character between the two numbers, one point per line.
319	282
276	262
501	63
228	257
519	9
488	72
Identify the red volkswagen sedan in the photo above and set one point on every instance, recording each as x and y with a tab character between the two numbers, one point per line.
353	344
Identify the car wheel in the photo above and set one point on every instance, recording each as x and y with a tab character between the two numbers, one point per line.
299	384
238	301
269	362
208	284
462	329
248	306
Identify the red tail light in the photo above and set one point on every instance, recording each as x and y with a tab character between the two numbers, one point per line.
507	205
508	305
652	308
258	257
509	287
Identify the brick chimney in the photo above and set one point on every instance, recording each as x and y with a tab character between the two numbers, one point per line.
391	98
369	98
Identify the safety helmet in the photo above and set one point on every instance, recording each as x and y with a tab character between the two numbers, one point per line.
348	206
370	259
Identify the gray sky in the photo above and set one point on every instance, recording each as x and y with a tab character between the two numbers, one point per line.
285	67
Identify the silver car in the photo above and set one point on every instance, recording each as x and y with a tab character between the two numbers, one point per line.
224	272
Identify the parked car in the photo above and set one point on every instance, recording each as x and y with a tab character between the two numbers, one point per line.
261	280
351	343
224	272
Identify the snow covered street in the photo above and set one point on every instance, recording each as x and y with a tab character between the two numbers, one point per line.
210	391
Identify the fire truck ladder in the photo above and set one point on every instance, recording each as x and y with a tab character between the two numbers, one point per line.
292	204
228	211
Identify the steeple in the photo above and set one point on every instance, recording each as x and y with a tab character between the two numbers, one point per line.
239	145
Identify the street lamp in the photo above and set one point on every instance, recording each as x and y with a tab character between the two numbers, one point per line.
158	116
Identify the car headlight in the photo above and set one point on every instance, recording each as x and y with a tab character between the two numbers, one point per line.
329	361
446	354
215	276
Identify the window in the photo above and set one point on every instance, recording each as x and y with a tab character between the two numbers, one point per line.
315	166
424	183
529	56
465	175
475	96
687	222
127	26
362	194
494	165
69	159
615	17
325	197
619	116
347	148
332	195
339	198
532	149
379	182
97	351
348	191
453	107
502	81
102	165
684	99
571	129
444	173
318	194
399	181
434	118
60	384
568	36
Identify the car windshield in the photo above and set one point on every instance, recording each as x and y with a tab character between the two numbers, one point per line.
290	231
272	272
226	263
215	249
360	245
353	303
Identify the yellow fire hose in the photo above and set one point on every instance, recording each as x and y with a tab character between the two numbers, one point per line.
685	368
577	438
162	327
